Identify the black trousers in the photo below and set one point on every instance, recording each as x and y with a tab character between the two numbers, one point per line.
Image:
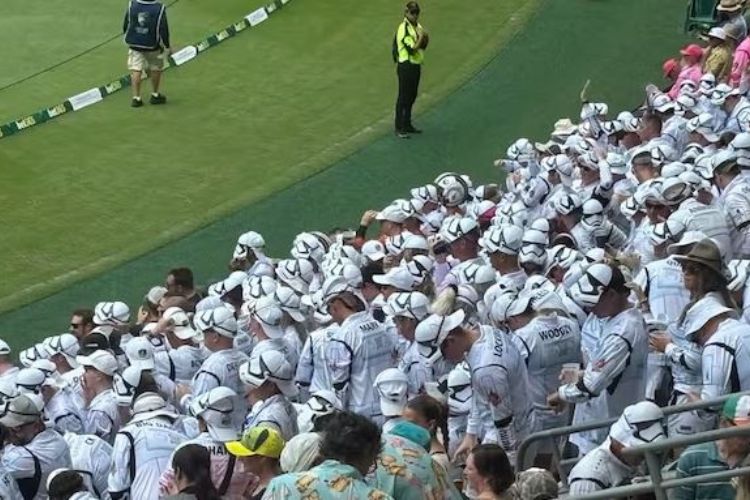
408	86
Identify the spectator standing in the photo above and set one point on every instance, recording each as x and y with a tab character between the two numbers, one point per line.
731	18
147	35
718	57
410	43
34	451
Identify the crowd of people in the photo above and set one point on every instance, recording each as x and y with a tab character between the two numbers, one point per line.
607	278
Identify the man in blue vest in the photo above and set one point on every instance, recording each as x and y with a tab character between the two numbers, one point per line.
408	52
147	35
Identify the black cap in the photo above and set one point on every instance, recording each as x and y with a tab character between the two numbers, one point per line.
93	342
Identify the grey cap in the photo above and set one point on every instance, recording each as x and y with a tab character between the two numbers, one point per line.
536	484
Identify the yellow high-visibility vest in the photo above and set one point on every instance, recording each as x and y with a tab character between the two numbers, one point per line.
406	39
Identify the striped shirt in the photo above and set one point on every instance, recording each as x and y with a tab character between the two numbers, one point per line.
701	459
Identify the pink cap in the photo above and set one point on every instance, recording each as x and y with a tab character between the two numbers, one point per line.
692	50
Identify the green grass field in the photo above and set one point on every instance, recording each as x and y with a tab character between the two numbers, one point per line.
255	122
250	117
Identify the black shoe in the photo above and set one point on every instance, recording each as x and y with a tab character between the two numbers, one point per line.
412	130
158	99
402	135
136	103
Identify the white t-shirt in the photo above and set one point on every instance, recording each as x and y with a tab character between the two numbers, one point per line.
51	451
151	444
93	456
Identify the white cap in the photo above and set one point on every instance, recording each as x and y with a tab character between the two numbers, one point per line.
397	277
269	315
589	288
258	286
30	380
538	299
688	238
335	286
567	203
416	242
102	361
220	320
249	242
111	313
391	385
4	348
457	228
155	294
215	407
392	213
373	250
149	405
323	402
180	323
420	266
307	246
125	383
504	239
477	274
140	353
290	302
414	305
639	424
234	280
271	366
345	269
737	274
296	273
717	32
433	331
701	312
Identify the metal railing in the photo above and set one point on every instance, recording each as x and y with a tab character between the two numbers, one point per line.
658	485
524	458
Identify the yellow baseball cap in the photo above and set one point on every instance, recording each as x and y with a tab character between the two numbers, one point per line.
261	441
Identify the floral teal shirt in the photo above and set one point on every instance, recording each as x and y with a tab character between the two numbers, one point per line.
407	472
330	480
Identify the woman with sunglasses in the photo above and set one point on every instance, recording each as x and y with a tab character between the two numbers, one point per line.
704	280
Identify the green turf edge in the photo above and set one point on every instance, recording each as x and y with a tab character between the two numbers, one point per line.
317	163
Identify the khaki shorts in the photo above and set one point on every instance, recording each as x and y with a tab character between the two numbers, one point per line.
145	61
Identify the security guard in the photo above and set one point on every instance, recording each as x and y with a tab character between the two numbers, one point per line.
408	51
147	36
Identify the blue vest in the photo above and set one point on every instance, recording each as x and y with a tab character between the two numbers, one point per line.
144	19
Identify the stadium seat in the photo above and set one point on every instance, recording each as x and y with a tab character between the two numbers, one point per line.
701	15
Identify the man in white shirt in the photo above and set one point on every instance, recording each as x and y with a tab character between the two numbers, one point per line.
35	451
102	418
142	449
221	368
360	350
605	466
615	373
